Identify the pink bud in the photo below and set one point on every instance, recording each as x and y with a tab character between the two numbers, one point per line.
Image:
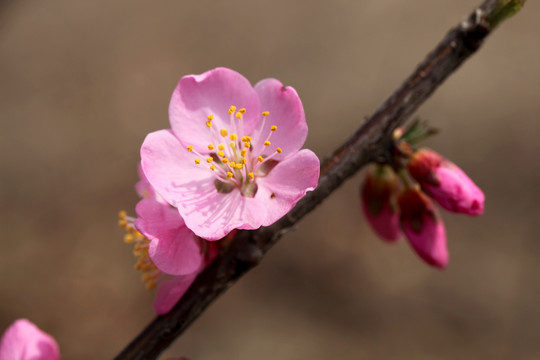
446	183
378	202
423	227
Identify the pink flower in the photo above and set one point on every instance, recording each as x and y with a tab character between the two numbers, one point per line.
144	189
232	159
378	194
446	183
423	227
24	341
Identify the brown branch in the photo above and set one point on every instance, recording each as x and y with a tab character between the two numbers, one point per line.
371	142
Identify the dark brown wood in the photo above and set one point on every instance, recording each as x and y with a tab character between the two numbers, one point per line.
371	142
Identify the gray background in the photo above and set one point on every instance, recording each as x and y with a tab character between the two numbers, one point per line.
82	82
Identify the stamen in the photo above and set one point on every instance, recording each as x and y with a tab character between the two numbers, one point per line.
232	164
243	161
221	153
233	137
221	146
129	238
273	128
232	145
210	117
209	159
190	148
267	143
278	149
265	113
224	160
260	158
239	166
197	161
209	123
229	174
238	115
242	110
232	109
247	145
212	167
210	147
243	152
251	175
223	132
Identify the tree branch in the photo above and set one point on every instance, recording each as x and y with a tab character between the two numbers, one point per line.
371	142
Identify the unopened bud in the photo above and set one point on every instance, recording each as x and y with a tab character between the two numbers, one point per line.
378	202
446	183
423	227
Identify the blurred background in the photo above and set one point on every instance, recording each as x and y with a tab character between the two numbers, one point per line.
83	82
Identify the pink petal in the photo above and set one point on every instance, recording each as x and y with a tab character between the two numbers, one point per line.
25	341
385	223
286	184
173	247
169	167
144	189
211	93
430	242
286	112
170	291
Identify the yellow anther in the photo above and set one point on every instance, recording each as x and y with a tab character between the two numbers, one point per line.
232	109
251	175
243	161
267	143
229	174
248	138
239	166
150	285
221	153
279	150
128	238
260	158
238	115
273	128
209	123
224	160
197	161
209	159
247	144
122	223
210	117
242	110
223	132
243	152
221	147
190	148
232	164
210	147
265	113
244	138
232	145
122	214
212	167
233	137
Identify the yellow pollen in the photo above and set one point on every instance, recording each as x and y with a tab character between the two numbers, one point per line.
267	143
210	117
232	109
122	214
239	166
279	150
232	145
197	161
221	147
243	152
233	137
223	132
247	144
221	153
229	174
210	147
238	115
273	128
232	164
128	238
209	123
190	148
212	167
265	113
251	175
150	285
242	110
243	161
224	160
122	223
209	159
260	158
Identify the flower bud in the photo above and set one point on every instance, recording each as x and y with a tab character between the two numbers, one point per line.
446	183
423	227
378	202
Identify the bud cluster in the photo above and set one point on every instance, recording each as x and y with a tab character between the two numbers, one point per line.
398	199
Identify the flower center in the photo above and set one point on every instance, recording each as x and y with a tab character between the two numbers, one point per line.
233	158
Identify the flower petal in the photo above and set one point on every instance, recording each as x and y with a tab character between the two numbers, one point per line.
430	242
167	164
286	112
25	341
211	93
170	291
173	247
287	183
